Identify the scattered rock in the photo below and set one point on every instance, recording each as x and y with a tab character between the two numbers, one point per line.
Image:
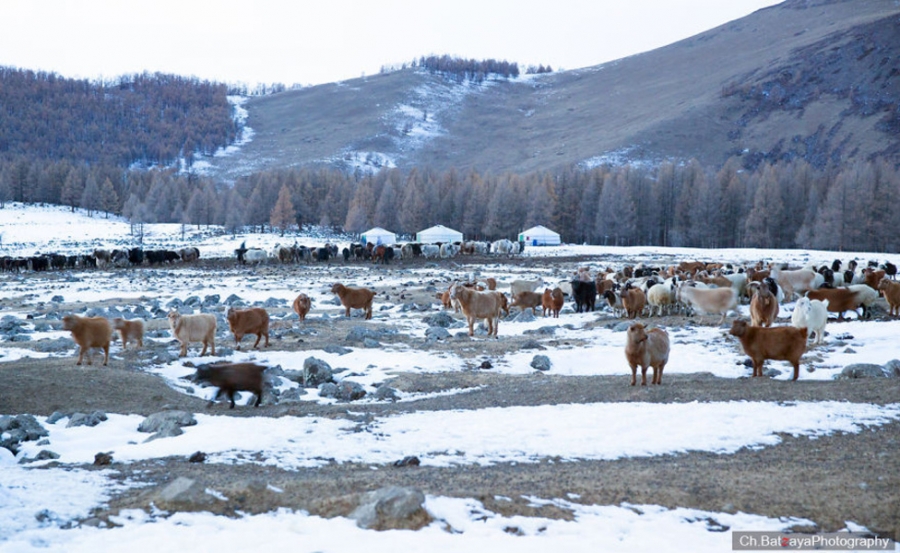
103	459
81	419
392	508
892	368
197	457
386	393
437	333
156	421
441	319
408	461
541	363
337	350
316	372
862	370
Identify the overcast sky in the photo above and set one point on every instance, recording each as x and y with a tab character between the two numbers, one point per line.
311	42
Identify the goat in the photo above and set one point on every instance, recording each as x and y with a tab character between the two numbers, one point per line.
193	328
763	305
845	299
891	291
517	286
130	330
647	348
89	332
526	300
254	320
478	305
233	377
633	300
781	343
585	294
552	302
710	300
355	298
302	305
796	281
811	315
662	297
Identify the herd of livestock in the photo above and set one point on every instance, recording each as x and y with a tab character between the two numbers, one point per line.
137	256
632	292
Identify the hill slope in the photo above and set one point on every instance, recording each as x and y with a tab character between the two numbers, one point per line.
815	79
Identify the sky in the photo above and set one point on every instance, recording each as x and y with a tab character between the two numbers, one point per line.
304	42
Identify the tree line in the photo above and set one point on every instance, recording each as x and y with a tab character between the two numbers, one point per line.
782	205
145	119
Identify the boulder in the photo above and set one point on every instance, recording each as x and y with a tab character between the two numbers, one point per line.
392	508
164	420
316	372
862	370
541	363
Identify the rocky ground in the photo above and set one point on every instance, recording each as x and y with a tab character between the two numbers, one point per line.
828	480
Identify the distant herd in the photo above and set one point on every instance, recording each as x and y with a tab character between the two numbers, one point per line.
377	253
632	292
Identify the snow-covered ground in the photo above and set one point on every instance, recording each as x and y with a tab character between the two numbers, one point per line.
36	504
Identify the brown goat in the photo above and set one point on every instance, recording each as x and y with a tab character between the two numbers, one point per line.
526	300
552	301
302	305
491	283
891	291
130	330
781	343
354	298
254	320
647	348
873	277
233	377
763	304
479	305
839	299
89	332
633	300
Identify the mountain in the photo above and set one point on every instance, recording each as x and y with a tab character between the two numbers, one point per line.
816	79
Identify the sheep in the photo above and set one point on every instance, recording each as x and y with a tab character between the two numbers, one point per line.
356	298
711	301
233	377
763	305
811	315
193	328
633	300
796	282
526	300
891	291
478	305
647	348
130	330
254	320
552	302
302	305
89	332
781	343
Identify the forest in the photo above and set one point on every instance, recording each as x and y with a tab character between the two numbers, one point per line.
146	119
120	147
785	205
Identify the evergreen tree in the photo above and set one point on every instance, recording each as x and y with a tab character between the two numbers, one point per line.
282	215
72	189
109	200
90	197
234	211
